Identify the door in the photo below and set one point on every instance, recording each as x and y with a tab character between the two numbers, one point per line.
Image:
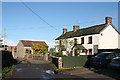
75	52
90	51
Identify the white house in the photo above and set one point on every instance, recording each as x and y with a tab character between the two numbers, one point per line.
103	37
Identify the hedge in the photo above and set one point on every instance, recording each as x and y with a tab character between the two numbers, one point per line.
74	61
7	59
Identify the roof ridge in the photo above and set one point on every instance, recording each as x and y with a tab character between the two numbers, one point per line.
93	26
32	40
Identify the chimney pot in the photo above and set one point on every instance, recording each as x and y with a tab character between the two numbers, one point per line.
108	20
64	30
75	28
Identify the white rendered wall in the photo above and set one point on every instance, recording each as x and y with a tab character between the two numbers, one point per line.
108	39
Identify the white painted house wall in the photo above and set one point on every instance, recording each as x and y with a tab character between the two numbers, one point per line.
109	38
95	41
119	41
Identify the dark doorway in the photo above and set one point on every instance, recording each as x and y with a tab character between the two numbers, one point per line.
75	52
90	51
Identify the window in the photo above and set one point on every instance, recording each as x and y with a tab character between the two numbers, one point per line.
82	40
110	56
90	40
83	50
75	41
26	51
30	51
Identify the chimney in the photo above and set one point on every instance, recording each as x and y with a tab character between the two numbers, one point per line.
64	30
108	20
75	28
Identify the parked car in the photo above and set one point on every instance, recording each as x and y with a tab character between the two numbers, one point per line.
103	59
115	64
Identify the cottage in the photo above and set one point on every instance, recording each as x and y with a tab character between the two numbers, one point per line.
103	37
24	47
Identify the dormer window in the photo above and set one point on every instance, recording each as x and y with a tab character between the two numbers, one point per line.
82	40
90	40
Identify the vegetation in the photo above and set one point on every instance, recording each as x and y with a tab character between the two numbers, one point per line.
7	70
38	49
8	63
53	65
57	54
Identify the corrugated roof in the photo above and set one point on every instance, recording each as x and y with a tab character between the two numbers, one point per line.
82	32
28	43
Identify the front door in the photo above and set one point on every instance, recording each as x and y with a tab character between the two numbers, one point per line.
90	51
75	52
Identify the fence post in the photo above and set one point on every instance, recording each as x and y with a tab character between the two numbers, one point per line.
60	63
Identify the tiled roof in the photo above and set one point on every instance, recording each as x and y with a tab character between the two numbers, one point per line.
82	32
28	43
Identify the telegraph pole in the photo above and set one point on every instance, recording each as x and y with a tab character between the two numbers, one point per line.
79	22
4	38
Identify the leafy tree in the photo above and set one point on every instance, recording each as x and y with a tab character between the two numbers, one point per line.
37	48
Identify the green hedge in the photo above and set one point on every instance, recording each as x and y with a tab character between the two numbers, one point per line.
74	61
7	59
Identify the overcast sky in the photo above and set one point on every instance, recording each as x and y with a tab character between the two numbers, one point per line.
22	24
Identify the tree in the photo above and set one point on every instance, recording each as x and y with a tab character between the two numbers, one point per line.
38	48
61	46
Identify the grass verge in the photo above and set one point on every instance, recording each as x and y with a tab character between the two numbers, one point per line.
7	70
38	59
53	65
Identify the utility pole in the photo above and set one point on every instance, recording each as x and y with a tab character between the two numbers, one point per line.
79	22
4	38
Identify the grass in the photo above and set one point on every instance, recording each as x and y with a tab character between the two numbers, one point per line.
7	70
38	59
53	65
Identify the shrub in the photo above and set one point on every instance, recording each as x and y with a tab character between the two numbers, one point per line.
57	54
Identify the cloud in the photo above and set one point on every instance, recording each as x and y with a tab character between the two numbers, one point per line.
10	43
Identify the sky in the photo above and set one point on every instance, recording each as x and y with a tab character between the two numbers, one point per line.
22	24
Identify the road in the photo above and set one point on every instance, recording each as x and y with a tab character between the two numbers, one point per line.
42	70
37	70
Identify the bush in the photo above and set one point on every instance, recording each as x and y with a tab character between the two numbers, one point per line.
7	59
7	70
57	54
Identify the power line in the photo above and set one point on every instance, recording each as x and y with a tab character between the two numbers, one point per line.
38	16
